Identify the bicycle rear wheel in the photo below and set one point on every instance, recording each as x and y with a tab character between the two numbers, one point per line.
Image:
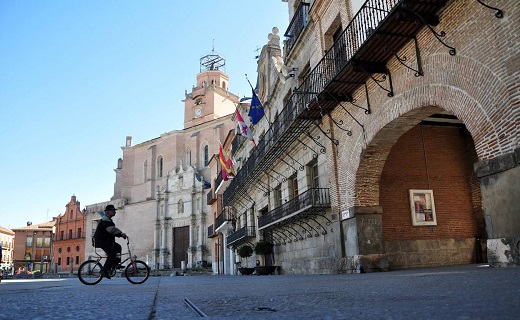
137	272
89	272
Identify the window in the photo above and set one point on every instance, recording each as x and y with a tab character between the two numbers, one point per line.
277	193
293	186
68	261
29	242
39	242
159	167
70	234
62	235
59	250
313	174
59	261
71	214
188	157
145	171
206	155
79	232
77	259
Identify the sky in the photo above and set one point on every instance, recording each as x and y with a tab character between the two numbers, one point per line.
77	77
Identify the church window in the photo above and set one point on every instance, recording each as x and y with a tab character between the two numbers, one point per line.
159	167
181	206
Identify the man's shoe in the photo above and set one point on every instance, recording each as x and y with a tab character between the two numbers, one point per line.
120	267
105	274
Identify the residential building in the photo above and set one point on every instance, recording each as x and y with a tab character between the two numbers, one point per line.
161	184
390	139
33	247
69	242
6	248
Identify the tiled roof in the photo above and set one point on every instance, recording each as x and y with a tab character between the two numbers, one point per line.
39	226
6	231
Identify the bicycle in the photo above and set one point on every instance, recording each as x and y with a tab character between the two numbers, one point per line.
136	271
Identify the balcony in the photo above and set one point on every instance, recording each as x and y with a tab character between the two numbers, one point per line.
211	231
379	30
241	236
309	202
298	23
223	218
211	197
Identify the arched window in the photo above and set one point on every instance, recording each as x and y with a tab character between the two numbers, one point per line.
145	170
206	155
181	206
159	167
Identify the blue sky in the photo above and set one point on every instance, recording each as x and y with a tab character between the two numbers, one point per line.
77	77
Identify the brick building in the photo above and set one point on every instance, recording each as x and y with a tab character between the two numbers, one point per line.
69	243
390	138
33	247
161	184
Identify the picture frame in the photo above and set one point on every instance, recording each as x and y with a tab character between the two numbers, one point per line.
422	206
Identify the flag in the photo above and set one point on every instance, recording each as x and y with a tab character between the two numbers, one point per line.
256	111
244	129
227	169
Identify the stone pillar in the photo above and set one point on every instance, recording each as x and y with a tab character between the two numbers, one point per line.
364	245
500	186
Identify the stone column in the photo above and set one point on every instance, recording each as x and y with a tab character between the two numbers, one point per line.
500	186
364	245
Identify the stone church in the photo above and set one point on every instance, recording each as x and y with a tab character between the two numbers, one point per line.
161	183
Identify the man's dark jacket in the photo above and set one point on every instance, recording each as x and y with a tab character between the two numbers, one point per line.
106	232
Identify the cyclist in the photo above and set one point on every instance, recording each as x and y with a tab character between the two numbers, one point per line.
105	238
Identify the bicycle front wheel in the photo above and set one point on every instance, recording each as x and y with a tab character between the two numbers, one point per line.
89	272
137	272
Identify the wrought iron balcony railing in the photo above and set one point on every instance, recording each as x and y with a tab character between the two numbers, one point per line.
211	197
223	217
312	198
218	179
372	38
211	231
241	235
298	23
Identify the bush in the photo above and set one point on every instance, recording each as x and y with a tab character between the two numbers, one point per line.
245	251
263	248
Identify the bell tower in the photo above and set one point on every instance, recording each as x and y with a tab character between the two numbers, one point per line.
209	98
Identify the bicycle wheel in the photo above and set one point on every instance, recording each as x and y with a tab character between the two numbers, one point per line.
137	272
89	272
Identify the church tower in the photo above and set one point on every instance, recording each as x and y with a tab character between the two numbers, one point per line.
209	98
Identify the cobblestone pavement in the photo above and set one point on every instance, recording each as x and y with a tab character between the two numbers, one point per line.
456	292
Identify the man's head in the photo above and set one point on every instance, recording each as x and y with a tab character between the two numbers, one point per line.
110	210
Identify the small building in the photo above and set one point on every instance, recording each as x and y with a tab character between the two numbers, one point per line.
69	244
6	248
33	246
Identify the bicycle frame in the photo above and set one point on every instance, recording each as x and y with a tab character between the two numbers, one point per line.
136	271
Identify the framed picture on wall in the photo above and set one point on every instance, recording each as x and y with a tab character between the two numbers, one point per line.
422	206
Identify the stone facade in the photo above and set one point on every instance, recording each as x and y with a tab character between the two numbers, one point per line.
439	115
158	177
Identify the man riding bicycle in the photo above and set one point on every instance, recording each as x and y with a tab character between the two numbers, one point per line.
105	238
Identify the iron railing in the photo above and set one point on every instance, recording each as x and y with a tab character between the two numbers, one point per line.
211	231
297	115
223	217
298	23
241	234
218	179
314	197
210	197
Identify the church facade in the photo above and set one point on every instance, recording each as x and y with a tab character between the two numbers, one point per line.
161	184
